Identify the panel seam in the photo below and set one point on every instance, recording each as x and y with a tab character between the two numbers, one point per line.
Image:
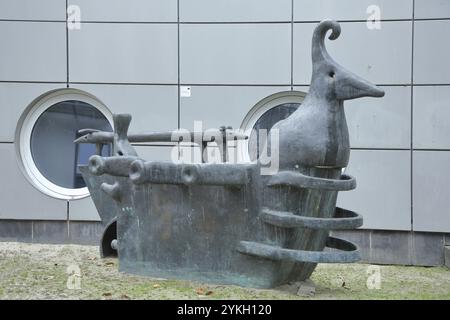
67	47
292	45
178	67
412	120
221	22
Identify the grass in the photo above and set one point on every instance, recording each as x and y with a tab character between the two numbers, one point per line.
35	271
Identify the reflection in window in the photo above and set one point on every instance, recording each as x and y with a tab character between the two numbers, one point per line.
267	121
52	147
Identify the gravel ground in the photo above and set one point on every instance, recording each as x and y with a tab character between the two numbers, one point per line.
37	271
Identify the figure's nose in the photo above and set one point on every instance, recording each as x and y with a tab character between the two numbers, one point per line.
350	86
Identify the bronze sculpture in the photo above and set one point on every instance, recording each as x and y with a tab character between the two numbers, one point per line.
225	222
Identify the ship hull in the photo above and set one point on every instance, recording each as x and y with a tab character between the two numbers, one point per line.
218	233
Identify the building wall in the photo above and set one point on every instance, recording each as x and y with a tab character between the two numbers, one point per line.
134	55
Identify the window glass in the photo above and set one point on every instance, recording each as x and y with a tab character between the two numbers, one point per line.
52	148
267	121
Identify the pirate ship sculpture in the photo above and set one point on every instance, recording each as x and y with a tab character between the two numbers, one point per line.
226	222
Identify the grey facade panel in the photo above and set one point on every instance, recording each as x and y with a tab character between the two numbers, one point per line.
447	256
50	232
18	198
235	10
431	117
87	233
381	123
14	99
123	53
371	54
154	108
33	10
83	210
431	174
428	249
16	230
382	195
399	245
317	10
33	51
431	9
431	52
130	10
235	54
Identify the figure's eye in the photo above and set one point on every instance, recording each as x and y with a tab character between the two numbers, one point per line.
331	74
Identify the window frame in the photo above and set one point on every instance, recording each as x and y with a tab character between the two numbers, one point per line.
23	137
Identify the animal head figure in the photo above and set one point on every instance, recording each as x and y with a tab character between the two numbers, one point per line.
316	134
329	79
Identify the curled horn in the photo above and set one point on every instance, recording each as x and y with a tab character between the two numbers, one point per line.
319	52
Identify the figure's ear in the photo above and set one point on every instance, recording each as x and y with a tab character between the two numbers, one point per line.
319	53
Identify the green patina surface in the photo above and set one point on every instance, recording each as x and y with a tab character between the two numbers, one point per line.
35	271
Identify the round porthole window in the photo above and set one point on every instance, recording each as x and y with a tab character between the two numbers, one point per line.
46	133
263	116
